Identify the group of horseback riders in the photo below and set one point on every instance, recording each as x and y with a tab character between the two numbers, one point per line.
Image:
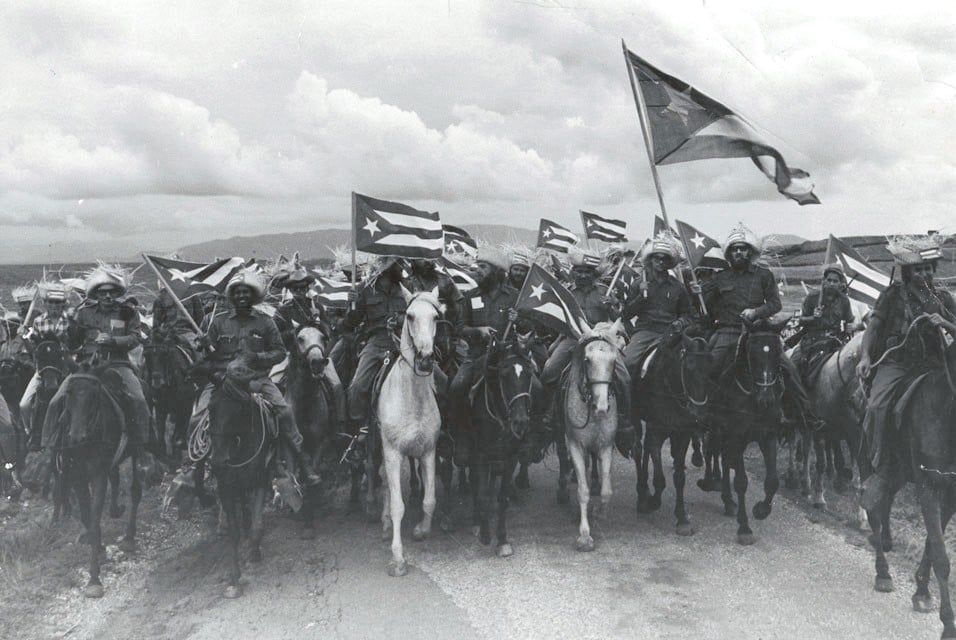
104	328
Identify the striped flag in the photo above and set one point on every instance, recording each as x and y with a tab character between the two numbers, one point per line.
605	229
559	270
703	251
394	229
553	236
459	276
457	240
865	282
191	278
546	300
332	293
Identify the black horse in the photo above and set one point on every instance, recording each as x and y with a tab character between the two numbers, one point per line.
672	398
503	399
85	429
166	368
748	408
244	435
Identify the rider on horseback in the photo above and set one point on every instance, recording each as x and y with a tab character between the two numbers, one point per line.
425	277
901	357
107	331
827	319
168	320
51	325
298	311
597	307
485	313
248	336
747	292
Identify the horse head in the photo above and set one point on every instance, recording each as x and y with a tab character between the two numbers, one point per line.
418	332
694	360
310	348
598	350
763	353
50	365
85	410
156	367
513	373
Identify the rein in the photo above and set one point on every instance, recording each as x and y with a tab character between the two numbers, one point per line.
584	386
505	402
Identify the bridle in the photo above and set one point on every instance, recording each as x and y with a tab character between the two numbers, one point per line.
506	422
758	385
436	305
683	377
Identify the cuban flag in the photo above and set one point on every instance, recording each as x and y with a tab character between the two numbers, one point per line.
462	279
546	300
331	293
865	282
457	240
394	229
553	236
190	278
604	229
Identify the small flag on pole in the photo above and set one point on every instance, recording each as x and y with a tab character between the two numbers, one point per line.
702	250
560	271
865	282
190	278
553	236
459	276
687	125
394	229
457	240
546	300
332	293
605	229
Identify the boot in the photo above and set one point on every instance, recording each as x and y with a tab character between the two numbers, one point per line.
308	475
355	454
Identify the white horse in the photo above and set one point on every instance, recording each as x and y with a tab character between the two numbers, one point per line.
590	415
409	420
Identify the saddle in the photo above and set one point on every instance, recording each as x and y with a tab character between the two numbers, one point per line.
390	359
646	360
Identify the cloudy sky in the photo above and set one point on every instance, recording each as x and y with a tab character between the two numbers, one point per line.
151	125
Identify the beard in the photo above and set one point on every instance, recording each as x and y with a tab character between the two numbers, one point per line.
488	282
739	262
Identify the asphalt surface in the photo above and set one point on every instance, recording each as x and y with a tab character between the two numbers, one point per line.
800	580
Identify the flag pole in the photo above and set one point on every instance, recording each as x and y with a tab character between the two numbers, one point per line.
587	240
617	274
354	244
176	300
524	285
693	272
648	141
826	261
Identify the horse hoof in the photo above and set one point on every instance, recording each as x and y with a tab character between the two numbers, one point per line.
887	545
644	506
504	551
307	534
127	544
563	496
655	502
595	490
805	490
686	529
397	569
820	504
730	509
697	459
118	511
883	585
923	604
746	539
584	544
386	534
708	484
761	510
232	591
419	533
93	591
485	540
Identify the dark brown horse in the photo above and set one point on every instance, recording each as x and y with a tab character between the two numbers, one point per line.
85	429
244	437
926	446
748	408
672	398
502	412
166	368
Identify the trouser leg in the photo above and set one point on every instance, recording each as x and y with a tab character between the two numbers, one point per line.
338	393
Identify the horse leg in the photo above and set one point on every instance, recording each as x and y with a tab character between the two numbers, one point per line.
584	542
745	536
929	498
504	548
94	588
883	582
199	478
659	482
116	509
697	458
475	489
162	415
806	439
679	443
727	461
396	509
820	448
606	491
595	476
768	447
844	474
522	481
415	483
371	471
564	468
355	485
643	464
128	543
792	480
257	530
427	466
229	499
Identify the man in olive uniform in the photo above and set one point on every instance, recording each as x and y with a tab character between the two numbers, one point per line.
827	319
900	363
485	313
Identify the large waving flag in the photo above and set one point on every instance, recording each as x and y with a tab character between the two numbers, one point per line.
553	236
457	240
702	250
865	282
333	294
546	300
191	278
686	125
459	276
394	229
605	229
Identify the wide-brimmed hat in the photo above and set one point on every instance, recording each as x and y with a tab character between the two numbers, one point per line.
836	268
493	256
250	278
105	275
742	235
299	276
24	293
912	250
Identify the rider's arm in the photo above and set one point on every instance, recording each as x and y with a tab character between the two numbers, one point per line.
807	319
131	339
685	309
274	351
771	295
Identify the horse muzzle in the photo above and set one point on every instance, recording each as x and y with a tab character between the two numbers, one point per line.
424	364
317	366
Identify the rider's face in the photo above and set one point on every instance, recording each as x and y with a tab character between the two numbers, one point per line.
832	281
924	272
106	295
739	254
242	296
582	276
299	291
658	262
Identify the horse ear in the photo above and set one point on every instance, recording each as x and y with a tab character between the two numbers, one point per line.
408	295
618	327
434	291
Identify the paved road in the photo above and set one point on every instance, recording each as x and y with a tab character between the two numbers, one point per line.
800	580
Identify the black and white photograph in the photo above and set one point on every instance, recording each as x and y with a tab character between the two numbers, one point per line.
477	319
